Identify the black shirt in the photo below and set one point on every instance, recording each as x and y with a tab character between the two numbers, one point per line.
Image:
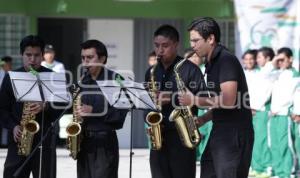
225	67
165	78
108	118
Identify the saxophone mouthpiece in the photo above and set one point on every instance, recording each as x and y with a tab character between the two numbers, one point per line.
85	69
84	72
190	54
32	70
158	57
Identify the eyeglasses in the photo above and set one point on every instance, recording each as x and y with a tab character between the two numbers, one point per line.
280	60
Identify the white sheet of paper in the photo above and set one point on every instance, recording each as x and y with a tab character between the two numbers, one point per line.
53	84
136	91
54	87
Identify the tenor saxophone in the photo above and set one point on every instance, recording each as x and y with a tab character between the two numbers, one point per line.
29	128
183	117
154	118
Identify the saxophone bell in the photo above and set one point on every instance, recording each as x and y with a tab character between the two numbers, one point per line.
73	129
74	138
32	127
154	119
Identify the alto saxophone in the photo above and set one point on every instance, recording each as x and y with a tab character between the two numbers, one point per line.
153	118
74	128
183	117
29	127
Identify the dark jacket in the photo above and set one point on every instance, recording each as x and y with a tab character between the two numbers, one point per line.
11	110
107	118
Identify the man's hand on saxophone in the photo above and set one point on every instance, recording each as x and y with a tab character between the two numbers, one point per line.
163	97
36	107
84	110
17	133
186	99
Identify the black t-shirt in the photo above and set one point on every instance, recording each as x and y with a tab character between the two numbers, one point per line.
225	67
190	74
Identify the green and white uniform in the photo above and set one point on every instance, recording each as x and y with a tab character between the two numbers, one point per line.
205	132
205	129
260	86
281	126
296	111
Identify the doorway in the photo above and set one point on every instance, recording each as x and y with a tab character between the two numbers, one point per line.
65	35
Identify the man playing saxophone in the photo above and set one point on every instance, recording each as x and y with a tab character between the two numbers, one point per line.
15	115
173	159
229	148
99	150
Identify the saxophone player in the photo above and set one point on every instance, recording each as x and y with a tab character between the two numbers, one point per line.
99	151
12	113
173	159
229	148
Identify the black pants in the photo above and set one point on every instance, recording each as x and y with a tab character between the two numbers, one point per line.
228	152
14	161
173	160
99	156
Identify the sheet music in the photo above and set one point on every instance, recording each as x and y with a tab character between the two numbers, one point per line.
143	95
140	97
111	92
26	88
54	87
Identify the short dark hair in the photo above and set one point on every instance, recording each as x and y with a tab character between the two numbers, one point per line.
33	41
252	52
267	52
6	59
167	31
285	50
152	53
98	45
49	48
206	26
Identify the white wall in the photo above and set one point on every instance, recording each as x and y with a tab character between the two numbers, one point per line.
117	35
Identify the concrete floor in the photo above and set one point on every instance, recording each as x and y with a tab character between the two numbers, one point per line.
66	166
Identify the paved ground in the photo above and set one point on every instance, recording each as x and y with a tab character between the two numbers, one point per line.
66	167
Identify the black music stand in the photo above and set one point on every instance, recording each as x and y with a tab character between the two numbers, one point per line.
39	87
127	95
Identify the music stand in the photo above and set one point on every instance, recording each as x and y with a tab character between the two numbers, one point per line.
127	95
44	87
39	87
